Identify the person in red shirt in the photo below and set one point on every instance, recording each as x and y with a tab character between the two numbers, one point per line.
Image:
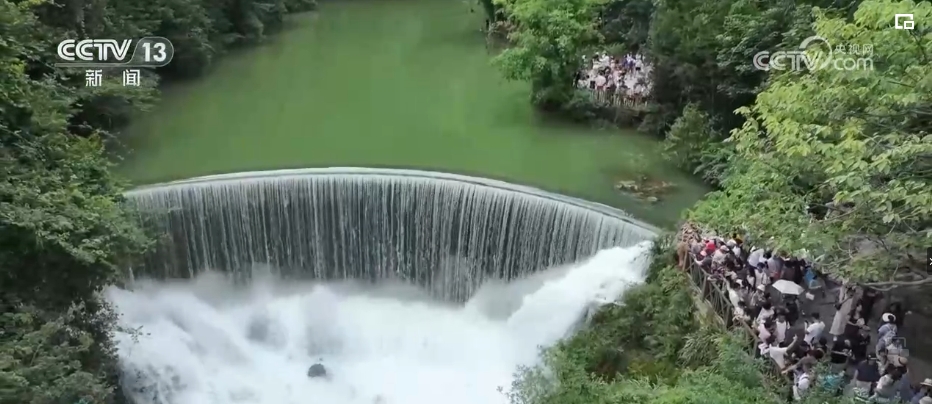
710	247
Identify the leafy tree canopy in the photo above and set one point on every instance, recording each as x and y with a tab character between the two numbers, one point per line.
548	43
64	233
839	162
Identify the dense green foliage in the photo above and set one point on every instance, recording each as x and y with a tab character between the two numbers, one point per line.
834	162
547	48
854	147
63	231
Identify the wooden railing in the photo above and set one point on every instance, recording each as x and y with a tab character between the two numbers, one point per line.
617	99
715	294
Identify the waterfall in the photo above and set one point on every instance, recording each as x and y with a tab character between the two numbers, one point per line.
447	233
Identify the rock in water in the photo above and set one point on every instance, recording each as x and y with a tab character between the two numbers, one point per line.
317	370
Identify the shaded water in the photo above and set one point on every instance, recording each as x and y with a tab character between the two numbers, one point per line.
446	233
212	342
375	83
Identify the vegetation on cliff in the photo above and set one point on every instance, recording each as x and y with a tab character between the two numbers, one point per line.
63	232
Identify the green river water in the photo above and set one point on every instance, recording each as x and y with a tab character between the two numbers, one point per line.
399	83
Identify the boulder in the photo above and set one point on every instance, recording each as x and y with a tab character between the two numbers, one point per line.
317	370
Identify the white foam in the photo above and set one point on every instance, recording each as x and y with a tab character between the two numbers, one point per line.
205	342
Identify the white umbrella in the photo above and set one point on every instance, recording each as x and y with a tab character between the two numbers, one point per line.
787	288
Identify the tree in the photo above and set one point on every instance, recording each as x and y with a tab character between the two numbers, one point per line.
63	234
694	144
64	229
548	43
627	23
839	162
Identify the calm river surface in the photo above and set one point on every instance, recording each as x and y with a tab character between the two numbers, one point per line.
375	83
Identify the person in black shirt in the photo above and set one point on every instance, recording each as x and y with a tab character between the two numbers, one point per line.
821	346
841	352
869	298
860	344
867	374
792	309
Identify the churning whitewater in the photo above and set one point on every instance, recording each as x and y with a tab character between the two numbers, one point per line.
207	341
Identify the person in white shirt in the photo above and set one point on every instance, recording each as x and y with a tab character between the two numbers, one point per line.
780	327
733	246
755	257
766	312
733	296
885	386
763	332
741	313
779	354
814	329
751	279
803	380
719	256
600	82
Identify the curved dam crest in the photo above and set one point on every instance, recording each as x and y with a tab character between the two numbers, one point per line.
445	232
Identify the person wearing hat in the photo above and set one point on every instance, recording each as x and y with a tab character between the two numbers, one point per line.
886	332
924	392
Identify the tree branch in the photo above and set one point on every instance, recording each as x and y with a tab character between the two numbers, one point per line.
889	285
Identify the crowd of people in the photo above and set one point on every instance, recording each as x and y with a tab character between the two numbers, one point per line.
615	81
766	290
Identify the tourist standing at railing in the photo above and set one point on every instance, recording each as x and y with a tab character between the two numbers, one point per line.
781	326
734	274
766	312
779	354
741	313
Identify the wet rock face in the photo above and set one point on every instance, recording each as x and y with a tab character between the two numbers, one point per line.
317	370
